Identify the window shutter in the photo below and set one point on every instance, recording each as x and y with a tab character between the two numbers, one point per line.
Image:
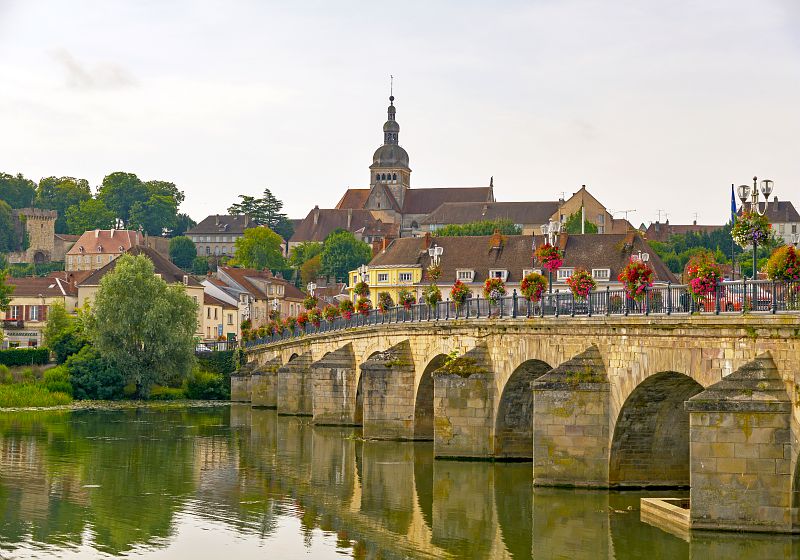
27	312
43	313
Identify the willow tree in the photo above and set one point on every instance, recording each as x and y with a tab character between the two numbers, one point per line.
142	326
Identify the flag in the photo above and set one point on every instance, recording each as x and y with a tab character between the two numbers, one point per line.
733	205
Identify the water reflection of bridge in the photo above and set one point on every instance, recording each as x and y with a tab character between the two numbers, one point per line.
394	500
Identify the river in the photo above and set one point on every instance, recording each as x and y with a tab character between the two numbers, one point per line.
229	481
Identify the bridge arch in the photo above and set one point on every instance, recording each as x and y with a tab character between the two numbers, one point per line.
650	445
423	399
514	419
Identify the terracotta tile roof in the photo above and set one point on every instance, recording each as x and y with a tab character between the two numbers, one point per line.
589	251
66	237
517	212
321	222
249	279
661	232
34	286
211	300
73	277
111	241
620	225
222	223
425	201
353	198
170	273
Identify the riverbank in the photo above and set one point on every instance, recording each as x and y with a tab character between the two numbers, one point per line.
120	405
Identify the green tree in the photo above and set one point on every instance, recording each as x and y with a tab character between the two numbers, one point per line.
260	248
16	190
94	377
182	251
309	270
141	326
155	215
573	224
265	211
89	214
200	266
120	191
58	323
342	252
304	251
182	223
485	227
61	193
5	292
9	235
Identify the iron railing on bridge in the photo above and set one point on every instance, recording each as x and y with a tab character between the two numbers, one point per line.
760	296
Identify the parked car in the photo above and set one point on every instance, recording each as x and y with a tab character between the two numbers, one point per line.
733	296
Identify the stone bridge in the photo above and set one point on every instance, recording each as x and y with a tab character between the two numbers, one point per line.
706	402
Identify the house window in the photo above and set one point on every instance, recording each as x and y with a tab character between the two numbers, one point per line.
230	318
271	289
34	312
794	228
603	274
383	277
69	260
406	276
13	312
526	271
564	273
355	279
195	299
215	313
601	219
208	250
280	290
781	228
465	275
497	273
208	313
225	250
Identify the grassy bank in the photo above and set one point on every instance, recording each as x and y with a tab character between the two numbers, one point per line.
31	395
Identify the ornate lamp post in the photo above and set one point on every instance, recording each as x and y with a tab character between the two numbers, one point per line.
745	192
363	272
311	287
435	254
550	232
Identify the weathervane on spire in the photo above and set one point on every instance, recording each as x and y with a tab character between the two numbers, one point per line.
391	88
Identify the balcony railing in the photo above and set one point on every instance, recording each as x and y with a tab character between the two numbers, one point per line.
729	298
13	324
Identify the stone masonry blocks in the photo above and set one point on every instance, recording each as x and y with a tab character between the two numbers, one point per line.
388	386
295	392
335	382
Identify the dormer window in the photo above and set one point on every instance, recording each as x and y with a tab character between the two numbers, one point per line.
99	248
465	275
80	249
565	273
601	274
498	273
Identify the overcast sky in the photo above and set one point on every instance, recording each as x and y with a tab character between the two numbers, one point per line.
653	105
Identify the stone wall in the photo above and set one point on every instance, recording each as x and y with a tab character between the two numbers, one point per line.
335	384
295	387
388	385
264	385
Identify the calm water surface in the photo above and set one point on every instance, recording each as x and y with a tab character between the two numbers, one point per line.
233	482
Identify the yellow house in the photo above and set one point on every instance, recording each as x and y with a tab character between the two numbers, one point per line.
28	309
220	319
164	269
390	278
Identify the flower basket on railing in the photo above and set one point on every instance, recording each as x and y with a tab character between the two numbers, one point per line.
406	298
784	264
290	324
432	295
749	227
494	289
385	302
434	272
363	306
331	313
533	286
247	324
274	315
310	302
347	308
459	293
704	275
274	328
361	289
302	320
551	257
581	283
636	277
315	316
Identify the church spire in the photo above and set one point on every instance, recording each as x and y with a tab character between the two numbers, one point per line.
391	129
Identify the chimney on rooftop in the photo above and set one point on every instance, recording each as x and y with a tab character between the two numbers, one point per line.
349	217
96	233
694	223
316	215
246	220
216	219
776	199
427	240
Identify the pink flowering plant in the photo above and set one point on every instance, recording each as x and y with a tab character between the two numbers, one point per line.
347	308
310	302
552	258
704	274
315	316
406	298
330	313
636	277
784	264
289	324
581	283
533	286
494	289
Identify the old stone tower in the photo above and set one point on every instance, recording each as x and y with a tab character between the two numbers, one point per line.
39	225
389	169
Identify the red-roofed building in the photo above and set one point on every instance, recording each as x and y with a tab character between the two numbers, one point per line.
29	307
257	292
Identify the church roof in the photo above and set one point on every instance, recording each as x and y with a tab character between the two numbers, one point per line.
321	222
390	155
517	212
353	198
425	201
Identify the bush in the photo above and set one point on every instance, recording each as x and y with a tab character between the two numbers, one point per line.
160	393
24	356
217	362
93	377
68	344
6	377
208	386
28	394
56	380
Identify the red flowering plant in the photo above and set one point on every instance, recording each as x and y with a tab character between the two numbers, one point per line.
385	302
361	289
494	289
749	227
302	319
636	277
274	315
331	313
274	328
310	302
347	308
784	264
551	257
459	293
363	306
289	324
533	286
704	274
581	283
315	316
406	298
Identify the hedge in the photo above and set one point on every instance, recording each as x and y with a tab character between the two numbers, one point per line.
24	356
217	362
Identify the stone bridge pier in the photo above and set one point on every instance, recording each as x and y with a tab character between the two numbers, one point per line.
706	403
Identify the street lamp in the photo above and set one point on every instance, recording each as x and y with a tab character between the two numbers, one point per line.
550	232
363	270
745	192
795	239
311	287
435	254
